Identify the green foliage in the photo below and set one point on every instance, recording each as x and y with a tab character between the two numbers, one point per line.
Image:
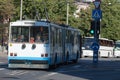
55	11
110	25
6	9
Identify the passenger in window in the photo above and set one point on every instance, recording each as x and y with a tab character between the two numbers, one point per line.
22	38
46	39
32	40
19	39
38	39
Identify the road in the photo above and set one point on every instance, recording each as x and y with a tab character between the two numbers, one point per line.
107	69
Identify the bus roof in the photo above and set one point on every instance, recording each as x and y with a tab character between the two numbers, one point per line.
40	23
118	41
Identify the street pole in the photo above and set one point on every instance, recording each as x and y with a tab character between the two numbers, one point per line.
67	12
96	39
21	10
96	15
2	41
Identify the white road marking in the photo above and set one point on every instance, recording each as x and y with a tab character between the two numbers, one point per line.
51	74
48	75
2	69
17	72
1	62
23	73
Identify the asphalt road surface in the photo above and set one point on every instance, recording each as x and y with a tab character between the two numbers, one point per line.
106	69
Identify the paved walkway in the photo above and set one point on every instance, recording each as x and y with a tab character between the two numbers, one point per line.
3	54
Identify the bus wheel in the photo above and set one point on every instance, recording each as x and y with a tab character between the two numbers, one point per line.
67	58
55	61
99	54
76	60
108	54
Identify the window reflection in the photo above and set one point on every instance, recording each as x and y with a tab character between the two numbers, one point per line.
24	34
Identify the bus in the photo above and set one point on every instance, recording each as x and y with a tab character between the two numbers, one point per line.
117	49
57	44
105	50
88	1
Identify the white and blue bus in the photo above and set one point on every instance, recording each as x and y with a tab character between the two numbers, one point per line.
57	44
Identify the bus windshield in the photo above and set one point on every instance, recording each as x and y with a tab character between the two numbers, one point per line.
29	34
87	42
117	45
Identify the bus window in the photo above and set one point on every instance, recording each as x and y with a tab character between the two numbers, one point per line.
20	34
42	32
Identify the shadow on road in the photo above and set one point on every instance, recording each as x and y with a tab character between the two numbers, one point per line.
106	69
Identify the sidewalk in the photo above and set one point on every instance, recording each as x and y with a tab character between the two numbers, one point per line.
3	54
3	59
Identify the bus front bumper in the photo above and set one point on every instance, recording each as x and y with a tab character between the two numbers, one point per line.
39	64
33	66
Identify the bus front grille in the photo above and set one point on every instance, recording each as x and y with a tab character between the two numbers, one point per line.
28	61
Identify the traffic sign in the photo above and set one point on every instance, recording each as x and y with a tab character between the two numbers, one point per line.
97	4
95	46
97	14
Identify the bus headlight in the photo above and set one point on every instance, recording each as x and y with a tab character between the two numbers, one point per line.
10	44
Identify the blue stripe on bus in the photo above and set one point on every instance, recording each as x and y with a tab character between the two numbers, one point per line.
28	58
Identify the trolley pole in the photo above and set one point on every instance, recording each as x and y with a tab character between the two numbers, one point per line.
96	15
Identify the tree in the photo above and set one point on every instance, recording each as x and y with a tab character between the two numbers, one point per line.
110	24
54	10
6	10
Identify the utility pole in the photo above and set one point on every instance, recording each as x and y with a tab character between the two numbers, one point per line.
21	9
67	12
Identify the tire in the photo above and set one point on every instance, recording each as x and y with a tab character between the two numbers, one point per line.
55	62
99	54
108	54
76	60
67	58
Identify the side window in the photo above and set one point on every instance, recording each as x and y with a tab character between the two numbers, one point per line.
68	36
60	37
52	36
